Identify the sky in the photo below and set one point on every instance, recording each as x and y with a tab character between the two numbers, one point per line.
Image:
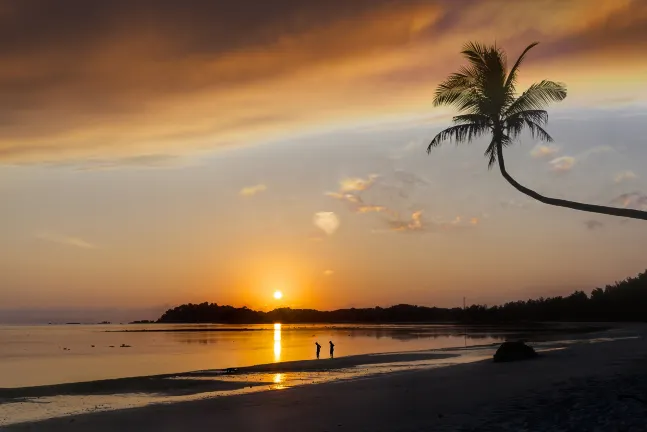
154	153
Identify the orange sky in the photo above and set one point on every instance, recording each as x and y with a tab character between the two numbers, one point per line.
162	152
175	78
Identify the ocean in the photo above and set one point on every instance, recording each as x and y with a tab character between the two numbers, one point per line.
55	354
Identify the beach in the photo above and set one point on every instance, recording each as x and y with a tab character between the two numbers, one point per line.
596	384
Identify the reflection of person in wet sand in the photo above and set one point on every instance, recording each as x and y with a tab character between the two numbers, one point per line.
332	349
318	349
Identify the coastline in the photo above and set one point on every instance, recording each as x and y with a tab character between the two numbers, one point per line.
563	361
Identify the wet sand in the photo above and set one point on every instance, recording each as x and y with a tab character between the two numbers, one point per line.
475	396
190	382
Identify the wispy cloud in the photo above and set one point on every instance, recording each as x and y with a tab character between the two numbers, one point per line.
544	151
595	150
593	224
328	272
566	163
394	216
328	222
118	99
634	200
417	223
625	176
512	203
65	240
354	184
371	209
252	190
413	224
459	222
562	164
141	161
349	192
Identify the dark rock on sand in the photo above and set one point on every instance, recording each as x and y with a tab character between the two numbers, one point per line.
513	351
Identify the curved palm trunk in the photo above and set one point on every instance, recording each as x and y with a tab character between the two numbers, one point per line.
613	211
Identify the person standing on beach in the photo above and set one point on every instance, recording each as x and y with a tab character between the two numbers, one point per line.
318	349
332	349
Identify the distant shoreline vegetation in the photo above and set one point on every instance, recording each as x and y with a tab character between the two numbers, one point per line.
623	301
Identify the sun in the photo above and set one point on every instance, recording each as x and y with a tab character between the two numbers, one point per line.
278	295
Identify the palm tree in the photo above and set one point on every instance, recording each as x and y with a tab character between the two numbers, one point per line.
484	93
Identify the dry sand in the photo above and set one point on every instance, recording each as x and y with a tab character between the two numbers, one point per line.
588	386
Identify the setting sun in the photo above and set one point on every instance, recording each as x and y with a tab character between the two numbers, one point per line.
278	295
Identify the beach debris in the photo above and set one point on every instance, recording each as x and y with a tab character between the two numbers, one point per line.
92	346
514	351
111	346
124	346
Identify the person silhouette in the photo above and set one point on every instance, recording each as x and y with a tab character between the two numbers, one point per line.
332	349
318	349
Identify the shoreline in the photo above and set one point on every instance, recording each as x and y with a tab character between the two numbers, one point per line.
531	328
480	395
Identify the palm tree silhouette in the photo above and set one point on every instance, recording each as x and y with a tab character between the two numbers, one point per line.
484	93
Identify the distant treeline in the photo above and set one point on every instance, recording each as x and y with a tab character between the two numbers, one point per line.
622	301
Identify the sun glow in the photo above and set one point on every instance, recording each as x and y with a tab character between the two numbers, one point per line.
278	295
277	342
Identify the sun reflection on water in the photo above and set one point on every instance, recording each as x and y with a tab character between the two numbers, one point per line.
277	342
279	378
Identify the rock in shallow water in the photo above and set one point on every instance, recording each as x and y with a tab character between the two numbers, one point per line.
514	351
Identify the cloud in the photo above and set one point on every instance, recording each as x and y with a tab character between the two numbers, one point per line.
562	164
143	161
595	150
416	223
634	200
131	78
413	224
252	190
353	199
512	203
625	176
328	272
349	189
543	151
394	216
328	222
371	209
65	240
354	184
593	224
459	222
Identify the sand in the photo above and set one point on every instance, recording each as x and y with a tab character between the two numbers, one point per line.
587	386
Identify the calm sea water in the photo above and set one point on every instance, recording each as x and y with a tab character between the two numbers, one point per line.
40	355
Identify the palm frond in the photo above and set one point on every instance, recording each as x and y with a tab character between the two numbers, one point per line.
537	97
517	122
472	118
457	88
539	116
491	151
474	52
458	133
512	75
533	120
536	131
